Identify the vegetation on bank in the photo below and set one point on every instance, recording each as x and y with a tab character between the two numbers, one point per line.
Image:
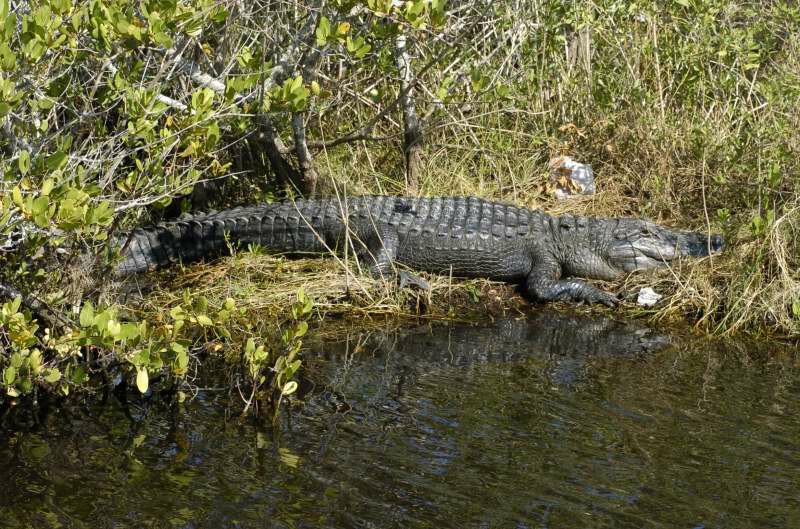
118	113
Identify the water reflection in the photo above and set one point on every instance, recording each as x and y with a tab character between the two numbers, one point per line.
553	421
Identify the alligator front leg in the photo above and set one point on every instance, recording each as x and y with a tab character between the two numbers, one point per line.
544	283
381	253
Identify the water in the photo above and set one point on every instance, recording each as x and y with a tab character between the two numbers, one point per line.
555	421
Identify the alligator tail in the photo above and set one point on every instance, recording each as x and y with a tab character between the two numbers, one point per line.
286	226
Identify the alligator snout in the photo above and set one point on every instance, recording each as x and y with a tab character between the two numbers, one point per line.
700	244
640	245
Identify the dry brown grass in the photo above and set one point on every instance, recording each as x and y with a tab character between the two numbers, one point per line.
266	285
753	286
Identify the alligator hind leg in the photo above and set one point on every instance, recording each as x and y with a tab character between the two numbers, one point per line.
381	251
544	283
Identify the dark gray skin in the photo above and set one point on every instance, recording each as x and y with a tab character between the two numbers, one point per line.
462	236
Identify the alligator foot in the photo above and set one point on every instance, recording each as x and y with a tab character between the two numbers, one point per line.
543	284
407	279
573	290
595	295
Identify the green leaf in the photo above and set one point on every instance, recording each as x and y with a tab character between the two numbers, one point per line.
35	361
16	195
61	6
47	186
25	385
323	31
79	376
177	313
289	388
142	380
301	329
16	360
201	304
24	162
42	15
103	214
182	359
56	161
8	59
358	47
87	314
194	28
34	48
129	331
114	328
292	368
140	358
15	304
212	134
40	205
204	320
9	375
202	100
52	375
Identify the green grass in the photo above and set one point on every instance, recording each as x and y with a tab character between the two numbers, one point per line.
688	115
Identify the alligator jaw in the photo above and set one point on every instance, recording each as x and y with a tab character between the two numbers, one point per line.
642	245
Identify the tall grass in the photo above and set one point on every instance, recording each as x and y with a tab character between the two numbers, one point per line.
688	113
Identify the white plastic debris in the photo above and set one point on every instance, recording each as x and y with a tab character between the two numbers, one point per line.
571	178
648	297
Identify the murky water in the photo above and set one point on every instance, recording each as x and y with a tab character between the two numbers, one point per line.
555	421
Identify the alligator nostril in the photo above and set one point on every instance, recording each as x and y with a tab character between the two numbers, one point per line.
717	243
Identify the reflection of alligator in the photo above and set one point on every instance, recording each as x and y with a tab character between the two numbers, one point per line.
461	236
544	333
563	346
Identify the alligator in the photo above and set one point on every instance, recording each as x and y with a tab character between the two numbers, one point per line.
458	236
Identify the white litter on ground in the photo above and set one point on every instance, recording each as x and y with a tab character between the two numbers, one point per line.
648	297
571	178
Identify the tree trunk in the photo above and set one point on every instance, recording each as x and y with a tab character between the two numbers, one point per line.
412	132
308	171
274	148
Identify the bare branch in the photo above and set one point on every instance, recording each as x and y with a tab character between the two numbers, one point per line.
365	131
412	133
194	71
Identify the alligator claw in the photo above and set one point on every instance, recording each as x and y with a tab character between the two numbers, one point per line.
609	300
409	279
595	295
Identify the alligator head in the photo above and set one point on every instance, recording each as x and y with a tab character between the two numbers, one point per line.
625	245
640	245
